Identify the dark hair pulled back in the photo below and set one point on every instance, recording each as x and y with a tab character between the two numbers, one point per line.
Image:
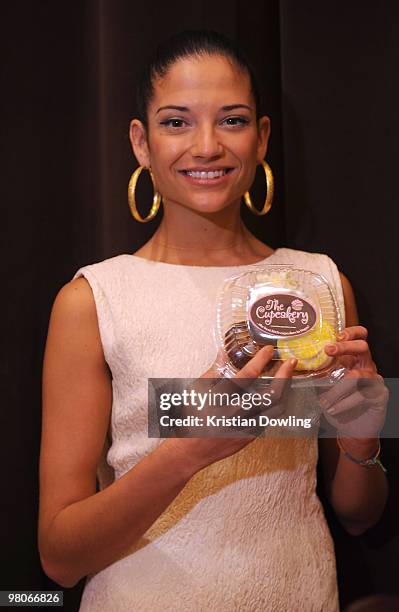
187	44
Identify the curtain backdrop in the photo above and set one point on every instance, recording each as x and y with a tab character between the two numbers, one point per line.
328	76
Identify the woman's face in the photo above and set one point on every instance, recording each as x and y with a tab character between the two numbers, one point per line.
203	141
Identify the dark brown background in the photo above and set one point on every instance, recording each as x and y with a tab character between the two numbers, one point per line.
328	72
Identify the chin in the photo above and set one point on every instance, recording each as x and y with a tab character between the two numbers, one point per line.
206	203
210	205
208	209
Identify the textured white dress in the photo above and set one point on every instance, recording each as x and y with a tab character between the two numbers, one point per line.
247	533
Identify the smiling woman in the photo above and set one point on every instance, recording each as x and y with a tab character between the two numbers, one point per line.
220	524
202	151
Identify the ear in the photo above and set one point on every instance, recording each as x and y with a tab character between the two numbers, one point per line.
263	137
138	139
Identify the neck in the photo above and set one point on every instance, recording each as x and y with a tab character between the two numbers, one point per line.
200	232
190	237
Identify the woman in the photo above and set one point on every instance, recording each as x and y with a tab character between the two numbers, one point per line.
189	524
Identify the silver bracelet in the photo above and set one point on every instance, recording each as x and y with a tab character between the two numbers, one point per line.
367	463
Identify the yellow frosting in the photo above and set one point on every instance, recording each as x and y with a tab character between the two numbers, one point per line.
309	348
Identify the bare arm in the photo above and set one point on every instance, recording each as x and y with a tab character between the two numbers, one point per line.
357	494
81	531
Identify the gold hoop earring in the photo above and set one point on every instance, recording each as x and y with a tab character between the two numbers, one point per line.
156	202
269	196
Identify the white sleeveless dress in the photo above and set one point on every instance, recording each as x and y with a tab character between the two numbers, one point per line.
247	533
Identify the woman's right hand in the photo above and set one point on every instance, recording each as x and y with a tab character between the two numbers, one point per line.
205	450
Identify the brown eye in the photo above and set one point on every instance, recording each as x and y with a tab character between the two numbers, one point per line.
173	123
236	121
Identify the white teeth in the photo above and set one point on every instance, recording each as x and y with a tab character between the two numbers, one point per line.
206	175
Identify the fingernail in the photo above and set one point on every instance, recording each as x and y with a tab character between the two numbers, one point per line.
331	410
331	348
341	336
293	362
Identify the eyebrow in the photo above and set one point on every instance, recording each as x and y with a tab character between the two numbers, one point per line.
184	109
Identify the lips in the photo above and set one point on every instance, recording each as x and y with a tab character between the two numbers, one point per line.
206	175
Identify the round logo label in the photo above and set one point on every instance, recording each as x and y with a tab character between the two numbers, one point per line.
282	314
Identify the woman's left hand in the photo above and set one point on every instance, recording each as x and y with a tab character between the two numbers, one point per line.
356	404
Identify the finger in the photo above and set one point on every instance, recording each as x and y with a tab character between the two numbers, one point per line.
216	372
256	365
274	389
286	369
354	401
244	378
369	391
248	376
340	390
254	368
353	380
282	378
359	350
347	361
354	332
349	347
373	389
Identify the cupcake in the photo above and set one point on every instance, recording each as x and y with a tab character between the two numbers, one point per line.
292	309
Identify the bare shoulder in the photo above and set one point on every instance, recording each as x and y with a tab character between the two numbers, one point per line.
346	285
74	312
76	295
351	314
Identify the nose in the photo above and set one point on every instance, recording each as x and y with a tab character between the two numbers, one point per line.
206	143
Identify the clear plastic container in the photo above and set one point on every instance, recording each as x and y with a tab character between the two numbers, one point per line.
292	309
